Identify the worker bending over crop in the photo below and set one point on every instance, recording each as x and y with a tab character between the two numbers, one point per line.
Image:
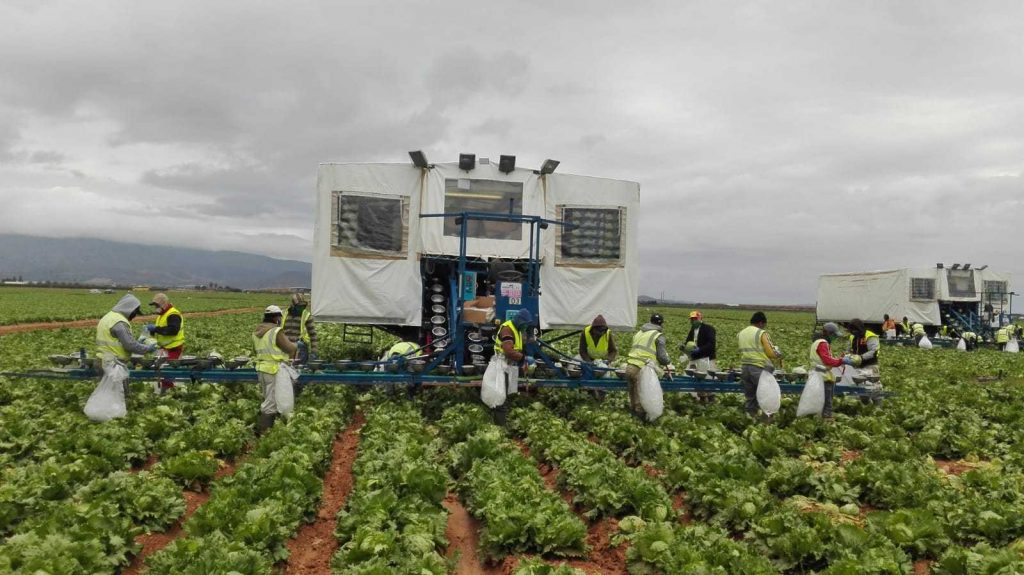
756	355
888	326
300	328
169	331
272	348
863	351
918	332
701	344
508	347
823	361
597	343
970	340
1002	337
648	348
114	341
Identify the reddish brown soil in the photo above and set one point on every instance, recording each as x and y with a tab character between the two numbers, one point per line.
679	504
21	327
312	547
153	542
922	567
651	471
850	455
147	465
463	533
954	467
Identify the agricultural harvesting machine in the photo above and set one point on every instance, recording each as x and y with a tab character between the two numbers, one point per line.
439	255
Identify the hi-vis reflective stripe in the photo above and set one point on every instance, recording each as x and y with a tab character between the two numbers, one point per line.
268	355
303	332
170	341
816	361
402	348
517	344
597	350
751	348
645	347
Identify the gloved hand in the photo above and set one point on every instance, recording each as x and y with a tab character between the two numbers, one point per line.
152	348
150	327
695	351
847	360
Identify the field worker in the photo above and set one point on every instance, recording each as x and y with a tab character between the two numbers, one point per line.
970	340
169	331
823	361
272	347
596	342
905	326
863	350
300	328
888	326
1002	337
701	343
114	340
508	345
756	355
648	347
918	332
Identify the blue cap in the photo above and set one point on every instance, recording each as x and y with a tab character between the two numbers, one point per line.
524	317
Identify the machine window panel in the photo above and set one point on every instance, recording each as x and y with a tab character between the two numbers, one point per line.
961	283
594	236
369	225
922	289
487	196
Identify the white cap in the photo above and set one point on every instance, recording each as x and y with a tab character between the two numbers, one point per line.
271	309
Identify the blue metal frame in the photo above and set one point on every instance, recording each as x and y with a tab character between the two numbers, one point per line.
673	384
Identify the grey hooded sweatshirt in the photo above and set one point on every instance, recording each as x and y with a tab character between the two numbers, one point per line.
662	353
123	331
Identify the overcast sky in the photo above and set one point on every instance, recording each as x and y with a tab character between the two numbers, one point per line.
773	141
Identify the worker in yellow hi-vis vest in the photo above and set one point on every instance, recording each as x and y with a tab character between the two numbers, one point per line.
168	330
272	347
648	347
757	353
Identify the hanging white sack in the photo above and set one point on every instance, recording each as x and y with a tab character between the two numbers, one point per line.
703	364
961	345
769	396
925	343
492	388
107	400
651	398
1012	346
846	376
284	388
812	400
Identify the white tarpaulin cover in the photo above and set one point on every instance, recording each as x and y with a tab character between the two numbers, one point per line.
368	271
871	295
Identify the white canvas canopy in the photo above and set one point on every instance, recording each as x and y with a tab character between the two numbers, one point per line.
914	293
369	238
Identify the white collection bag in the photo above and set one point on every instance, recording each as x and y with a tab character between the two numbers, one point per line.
1012	346
812	400
651	398
703	364
961	345
769	396
492	388
107	400
925	343
846	376
890	334
284	390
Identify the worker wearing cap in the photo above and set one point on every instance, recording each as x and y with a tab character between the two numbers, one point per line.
863	351
169	331
757	353
596	342
648	349
509	352
823	361
272	347
300	328
905	326
114	341
701	344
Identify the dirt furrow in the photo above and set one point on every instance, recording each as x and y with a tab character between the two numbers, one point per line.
312	547
153	542
22	327
463	533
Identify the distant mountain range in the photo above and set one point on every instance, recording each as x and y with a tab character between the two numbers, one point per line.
103	262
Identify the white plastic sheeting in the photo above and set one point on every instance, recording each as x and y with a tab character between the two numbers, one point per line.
871	295
387	289
369	289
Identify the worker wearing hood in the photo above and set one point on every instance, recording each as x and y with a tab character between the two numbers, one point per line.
509	346
114	340
596	342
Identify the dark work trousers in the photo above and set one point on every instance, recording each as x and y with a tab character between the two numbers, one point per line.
749	376
501	412
830	387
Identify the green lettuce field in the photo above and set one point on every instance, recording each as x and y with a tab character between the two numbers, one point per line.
356	482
